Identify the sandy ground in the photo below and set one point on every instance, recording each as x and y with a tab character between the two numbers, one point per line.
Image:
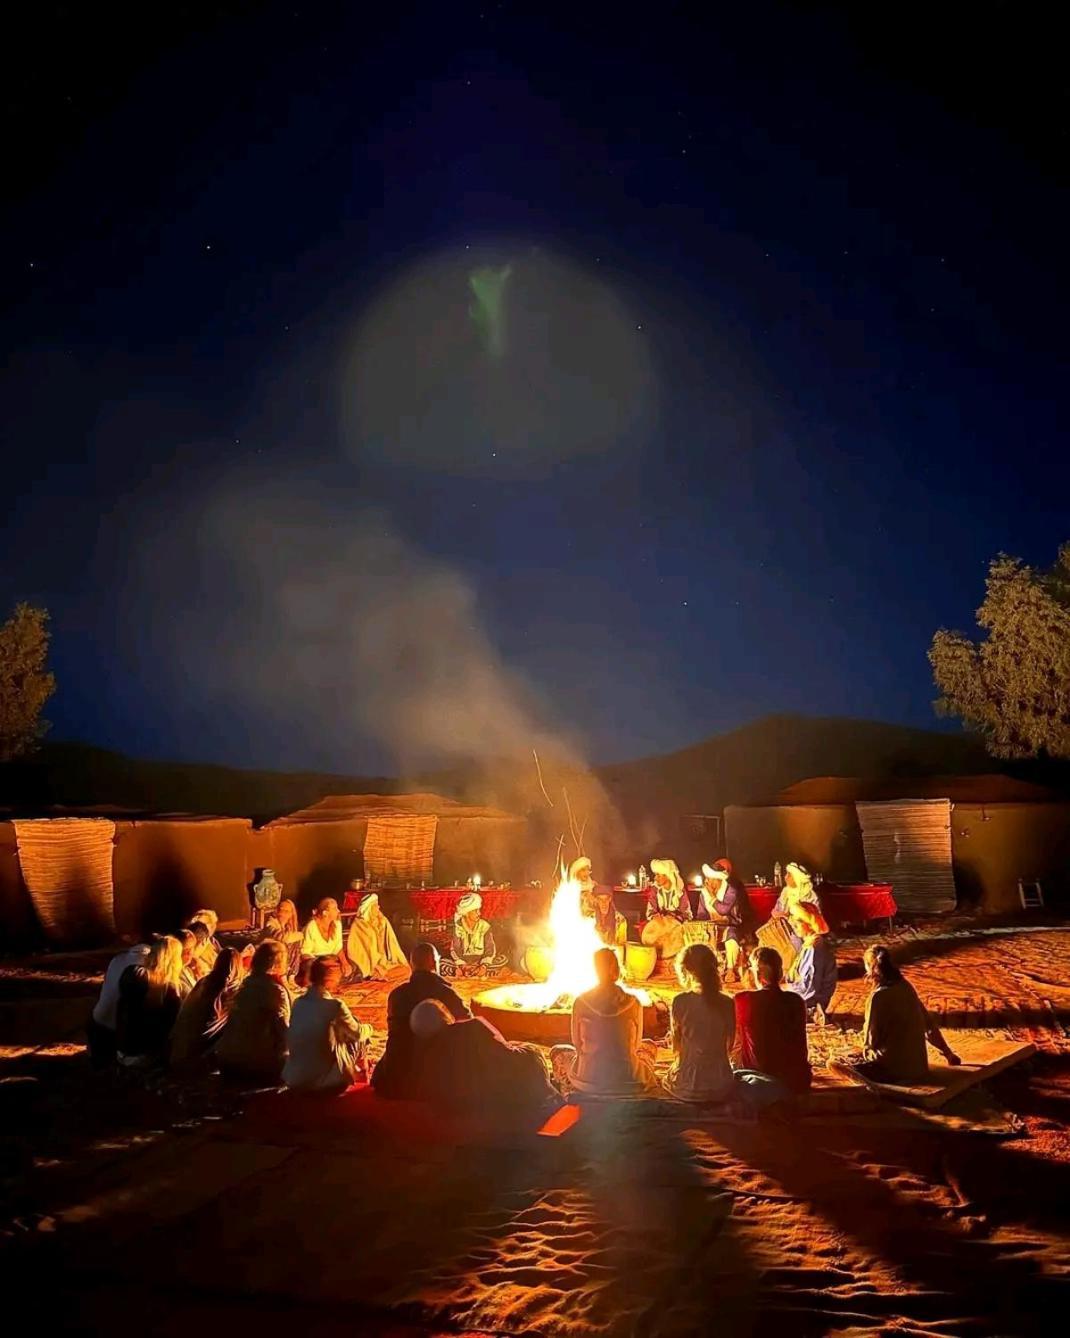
159	1208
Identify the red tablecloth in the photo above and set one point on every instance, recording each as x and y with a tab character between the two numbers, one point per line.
844	903
439	903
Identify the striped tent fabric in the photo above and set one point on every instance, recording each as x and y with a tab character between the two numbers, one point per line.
67	869
908	844
400	848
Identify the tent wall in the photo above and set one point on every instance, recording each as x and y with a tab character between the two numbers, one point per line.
313	859
164	870
18	923
908	844
996	844
495	848
824	837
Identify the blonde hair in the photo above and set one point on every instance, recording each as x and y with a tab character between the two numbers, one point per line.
208	918
163	965
286	913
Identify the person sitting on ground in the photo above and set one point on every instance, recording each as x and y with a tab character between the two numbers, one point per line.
252	1044
205	1010
468	1066
149	1000
396	1075
667	908
703	1028
207	951
896	1025
724	897
282	925
609	923
100	1030
327	1043
608	1055
798	890
192	968
373	948
813	973
581	871
323	938
472	949
771	1031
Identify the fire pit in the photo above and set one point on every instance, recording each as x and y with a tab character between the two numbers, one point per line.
542	1011
522	1013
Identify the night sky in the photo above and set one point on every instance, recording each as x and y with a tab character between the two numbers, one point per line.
784	365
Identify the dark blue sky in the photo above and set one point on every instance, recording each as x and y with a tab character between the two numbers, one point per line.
843	252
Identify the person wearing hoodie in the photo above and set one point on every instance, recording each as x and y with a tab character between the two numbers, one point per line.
608	1055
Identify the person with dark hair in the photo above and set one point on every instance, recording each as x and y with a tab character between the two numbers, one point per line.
205	1009
703	1028
771	1028
468	1066
252	1045
896	1025
395	1075
608	1055
326	1043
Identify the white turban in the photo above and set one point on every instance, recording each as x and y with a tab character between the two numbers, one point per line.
428	1018
714	874
368	903
577	866
471	901
668	869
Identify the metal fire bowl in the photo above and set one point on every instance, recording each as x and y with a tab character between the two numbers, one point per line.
549	1026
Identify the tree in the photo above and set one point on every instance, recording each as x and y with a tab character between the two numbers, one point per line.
25	683
1013	686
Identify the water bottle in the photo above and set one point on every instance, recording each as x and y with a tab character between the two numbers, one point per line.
778	876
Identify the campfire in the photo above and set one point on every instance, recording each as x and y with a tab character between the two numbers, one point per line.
541	1011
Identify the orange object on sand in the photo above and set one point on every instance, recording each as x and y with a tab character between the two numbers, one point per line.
561	1121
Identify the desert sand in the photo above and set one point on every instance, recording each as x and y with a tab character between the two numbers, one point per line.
160	1208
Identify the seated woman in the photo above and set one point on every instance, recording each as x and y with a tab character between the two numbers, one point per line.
724	897
149	1000
205	1010
472	949
896	1026
667	909
467	1065
771	1032
208	949
396	1073
193	967
281	924
327	1044
813	973
103	1020
252	1044
372	947
608	1055
323	938
703	1028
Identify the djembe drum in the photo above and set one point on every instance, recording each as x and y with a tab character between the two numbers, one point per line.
775	934
640	959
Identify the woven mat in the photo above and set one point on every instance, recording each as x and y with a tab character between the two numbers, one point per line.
401	848
67	868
